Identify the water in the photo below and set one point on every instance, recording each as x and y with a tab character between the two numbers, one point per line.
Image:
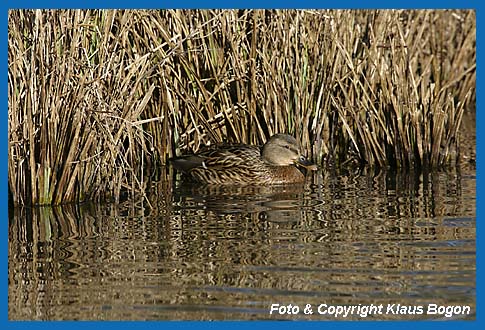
200	253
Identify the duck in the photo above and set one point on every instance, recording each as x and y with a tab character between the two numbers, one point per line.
278	161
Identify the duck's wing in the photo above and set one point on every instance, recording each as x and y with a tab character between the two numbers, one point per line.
218	157
230	156
228	165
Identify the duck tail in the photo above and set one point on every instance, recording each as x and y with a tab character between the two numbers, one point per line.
186	163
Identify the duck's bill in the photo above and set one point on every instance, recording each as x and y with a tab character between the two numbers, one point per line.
302	161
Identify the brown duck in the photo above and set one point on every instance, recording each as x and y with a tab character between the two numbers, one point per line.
279	161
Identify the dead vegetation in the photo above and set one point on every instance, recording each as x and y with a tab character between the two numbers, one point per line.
98	100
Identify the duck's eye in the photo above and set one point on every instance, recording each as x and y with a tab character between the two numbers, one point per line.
287	146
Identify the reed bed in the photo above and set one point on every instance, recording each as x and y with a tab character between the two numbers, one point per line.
100	99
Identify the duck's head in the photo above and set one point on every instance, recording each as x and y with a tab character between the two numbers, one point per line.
282	150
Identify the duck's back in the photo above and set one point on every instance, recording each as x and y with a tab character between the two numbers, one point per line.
230	164
235	164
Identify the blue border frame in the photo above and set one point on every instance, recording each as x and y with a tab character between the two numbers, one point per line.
11	4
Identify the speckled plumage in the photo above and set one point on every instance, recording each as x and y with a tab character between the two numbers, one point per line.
275	163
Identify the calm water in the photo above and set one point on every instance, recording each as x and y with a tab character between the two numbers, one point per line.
200	253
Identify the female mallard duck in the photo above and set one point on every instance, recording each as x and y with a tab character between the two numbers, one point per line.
277	162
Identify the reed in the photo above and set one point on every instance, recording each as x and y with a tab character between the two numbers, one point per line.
98	100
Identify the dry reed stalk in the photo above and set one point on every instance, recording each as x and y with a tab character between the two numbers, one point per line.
79	100
99	99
